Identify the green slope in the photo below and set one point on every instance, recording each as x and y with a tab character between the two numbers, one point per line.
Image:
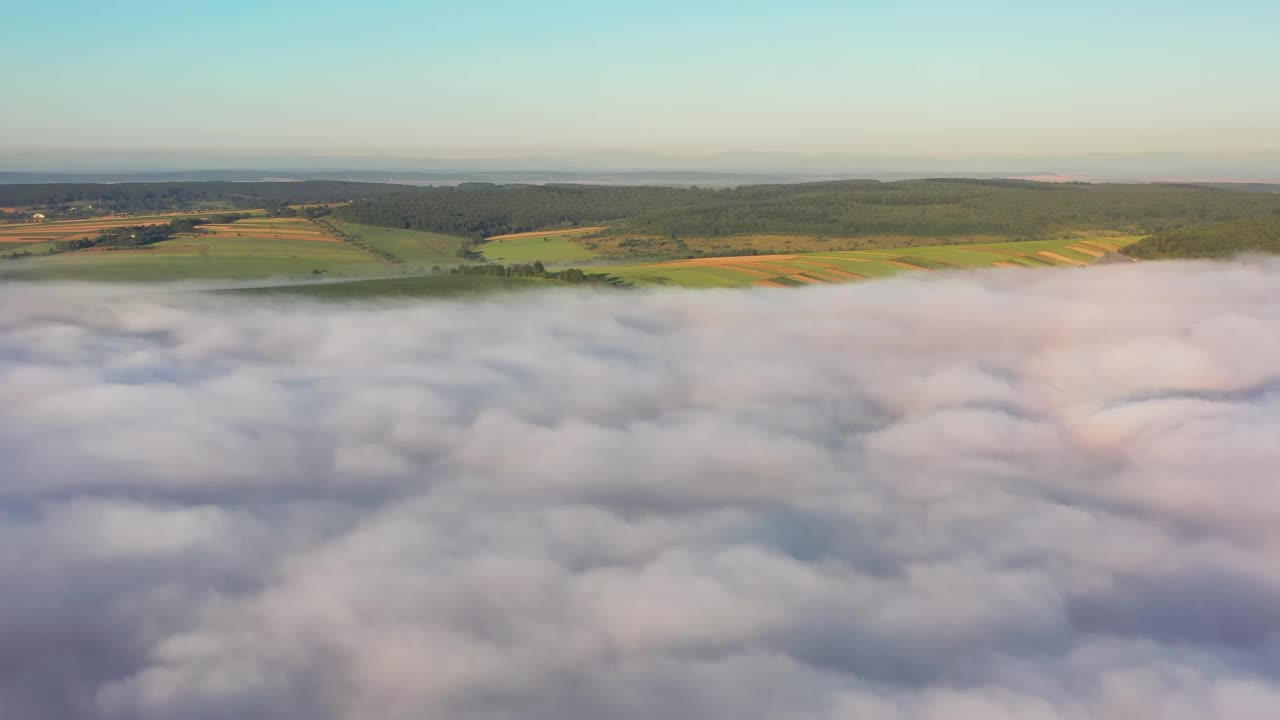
1213	240
411	246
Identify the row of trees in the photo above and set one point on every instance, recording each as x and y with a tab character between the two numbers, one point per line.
348	237
312	212
134	236
572	276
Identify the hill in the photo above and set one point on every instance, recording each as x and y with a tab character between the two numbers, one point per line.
1213	240
767	234
682	222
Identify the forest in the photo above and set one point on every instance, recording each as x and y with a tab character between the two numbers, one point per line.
927	208
1261	235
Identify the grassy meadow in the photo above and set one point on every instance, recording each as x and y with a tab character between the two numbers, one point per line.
230	258
552	249
413	247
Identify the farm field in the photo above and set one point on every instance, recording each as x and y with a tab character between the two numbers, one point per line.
624	246
271	228
556	248
255	247
415	248
783	270
628	245
203	257
261	246
797	269
28	232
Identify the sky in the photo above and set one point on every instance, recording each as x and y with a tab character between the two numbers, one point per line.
454	79
993	495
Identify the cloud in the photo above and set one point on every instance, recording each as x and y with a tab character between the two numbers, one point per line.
995	494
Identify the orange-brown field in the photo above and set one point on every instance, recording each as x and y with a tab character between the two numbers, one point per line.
64	229
1105	246
277	228
1061	258
37	231
807	269
1087	250
263	227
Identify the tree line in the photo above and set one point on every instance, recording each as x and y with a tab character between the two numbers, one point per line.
89	199
136	236
571	276
132	236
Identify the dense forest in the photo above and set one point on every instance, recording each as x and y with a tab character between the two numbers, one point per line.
72	199
1211	240
930	208
479	209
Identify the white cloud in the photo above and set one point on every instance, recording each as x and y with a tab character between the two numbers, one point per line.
996	494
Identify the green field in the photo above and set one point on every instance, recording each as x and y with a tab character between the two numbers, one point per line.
189	257
689	277
838	267
730	272
551	250
421	249
297	248
11	248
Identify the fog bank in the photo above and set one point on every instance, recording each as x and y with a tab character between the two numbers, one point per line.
997	494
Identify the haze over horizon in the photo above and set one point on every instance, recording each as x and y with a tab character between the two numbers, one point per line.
524	83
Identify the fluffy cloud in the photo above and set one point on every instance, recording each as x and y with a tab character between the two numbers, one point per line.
1005	494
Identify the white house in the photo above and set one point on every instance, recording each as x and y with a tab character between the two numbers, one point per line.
37	216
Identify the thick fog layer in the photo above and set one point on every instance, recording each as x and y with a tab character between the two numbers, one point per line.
1006	494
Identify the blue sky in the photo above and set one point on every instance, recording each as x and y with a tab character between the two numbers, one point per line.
500	77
